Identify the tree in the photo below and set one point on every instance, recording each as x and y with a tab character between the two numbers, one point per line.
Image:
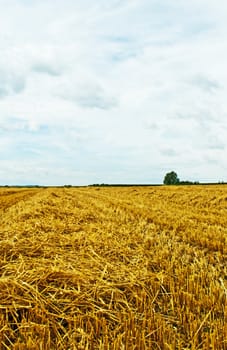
171	179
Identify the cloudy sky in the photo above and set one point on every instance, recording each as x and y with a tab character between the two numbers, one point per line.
114	91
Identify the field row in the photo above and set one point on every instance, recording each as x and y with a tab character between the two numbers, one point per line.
114	268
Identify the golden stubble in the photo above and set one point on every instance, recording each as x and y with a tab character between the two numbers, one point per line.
113	268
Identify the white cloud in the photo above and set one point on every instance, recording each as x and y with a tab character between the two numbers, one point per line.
116	91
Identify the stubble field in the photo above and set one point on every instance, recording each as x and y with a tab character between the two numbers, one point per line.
113	268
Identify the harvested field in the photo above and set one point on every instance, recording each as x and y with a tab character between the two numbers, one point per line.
113	268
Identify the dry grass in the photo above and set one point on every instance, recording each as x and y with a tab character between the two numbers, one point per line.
113	268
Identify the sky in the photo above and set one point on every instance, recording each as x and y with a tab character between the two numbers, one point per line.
112	91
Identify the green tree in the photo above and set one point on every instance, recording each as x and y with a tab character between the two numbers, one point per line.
171	178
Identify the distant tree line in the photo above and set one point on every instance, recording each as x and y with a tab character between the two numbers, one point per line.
172	178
